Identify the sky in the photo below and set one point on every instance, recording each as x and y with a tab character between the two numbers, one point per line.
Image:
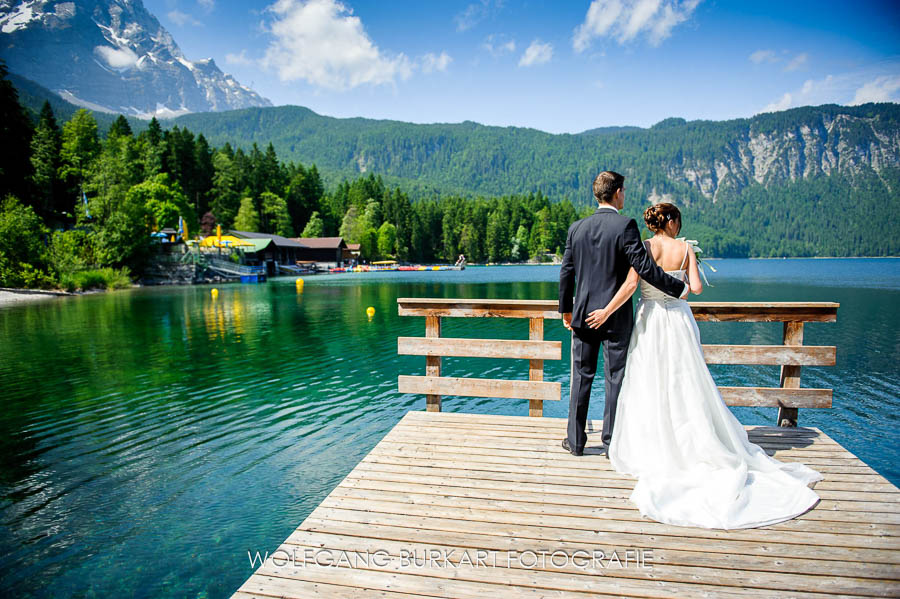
561	67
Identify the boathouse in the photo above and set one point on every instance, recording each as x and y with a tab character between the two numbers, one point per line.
327	252
270	250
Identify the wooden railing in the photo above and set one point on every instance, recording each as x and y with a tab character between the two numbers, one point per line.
791	355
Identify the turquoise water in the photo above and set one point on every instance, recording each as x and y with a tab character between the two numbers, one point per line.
150	438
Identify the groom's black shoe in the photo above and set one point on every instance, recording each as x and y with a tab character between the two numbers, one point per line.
567	447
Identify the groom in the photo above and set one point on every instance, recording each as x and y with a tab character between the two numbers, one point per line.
599	251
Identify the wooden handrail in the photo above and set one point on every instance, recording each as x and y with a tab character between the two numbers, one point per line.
791	355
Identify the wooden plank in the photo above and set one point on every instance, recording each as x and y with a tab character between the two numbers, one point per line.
479	348
776	397
479	387
548	500
553	423
420	453
703	311
477	308
790	374
536	507
775	355
765	311
461	476
433	363
606	532
536	366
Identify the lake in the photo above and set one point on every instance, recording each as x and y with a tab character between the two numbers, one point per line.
150	438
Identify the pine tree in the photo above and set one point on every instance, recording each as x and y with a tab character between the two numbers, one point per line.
247	218
119	127
79	151
15	140
49	197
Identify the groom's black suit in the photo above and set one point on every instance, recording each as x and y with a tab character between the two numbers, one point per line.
599	251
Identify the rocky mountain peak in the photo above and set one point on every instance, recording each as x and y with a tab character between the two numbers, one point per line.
114	56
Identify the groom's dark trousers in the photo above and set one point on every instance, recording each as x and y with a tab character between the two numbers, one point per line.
600	249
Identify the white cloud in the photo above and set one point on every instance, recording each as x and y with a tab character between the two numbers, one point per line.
117	58
882	89
475	13
625	20
874	83
432	62
499	44
764	56
320	41
536	53
797	62
207	5
181	19
239	59
782	104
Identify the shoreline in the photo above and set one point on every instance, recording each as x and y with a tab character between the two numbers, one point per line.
13	297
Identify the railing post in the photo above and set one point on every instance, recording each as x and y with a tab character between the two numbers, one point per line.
535	367
433	363
790	375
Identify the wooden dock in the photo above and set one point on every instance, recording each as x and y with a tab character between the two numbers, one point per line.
466	505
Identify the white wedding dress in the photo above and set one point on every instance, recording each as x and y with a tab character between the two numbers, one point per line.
694	463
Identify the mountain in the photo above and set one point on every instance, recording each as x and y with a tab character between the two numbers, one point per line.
696	161
113	56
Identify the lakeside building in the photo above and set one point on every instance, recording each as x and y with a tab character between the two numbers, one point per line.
274	251
326	252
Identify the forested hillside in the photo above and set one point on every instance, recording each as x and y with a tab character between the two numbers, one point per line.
804	182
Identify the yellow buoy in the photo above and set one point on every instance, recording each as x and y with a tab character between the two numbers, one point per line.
214	293
300	284
370	311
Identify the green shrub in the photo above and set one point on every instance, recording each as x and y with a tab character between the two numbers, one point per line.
103	278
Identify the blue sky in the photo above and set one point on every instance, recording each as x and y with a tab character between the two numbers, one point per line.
554	66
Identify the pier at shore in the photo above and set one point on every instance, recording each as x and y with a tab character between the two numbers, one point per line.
479	505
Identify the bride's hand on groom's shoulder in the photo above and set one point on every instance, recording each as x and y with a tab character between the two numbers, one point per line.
596	318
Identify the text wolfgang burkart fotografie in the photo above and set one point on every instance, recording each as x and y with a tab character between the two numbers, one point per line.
444	557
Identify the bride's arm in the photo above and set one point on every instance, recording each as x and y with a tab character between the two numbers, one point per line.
598	317
693	272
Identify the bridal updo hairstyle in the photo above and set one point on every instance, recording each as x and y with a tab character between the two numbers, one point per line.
658	215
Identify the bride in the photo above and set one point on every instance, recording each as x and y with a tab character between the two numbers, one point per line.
694	463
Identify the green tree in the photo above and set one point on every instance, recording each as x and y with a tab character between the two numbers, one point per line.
80	150
496	238
275	217
387	239
225	192
49	195
368	244
519	250
152	149
15	138
164	202
315	227
350	226
112	174
22	251
304	194
119	128
247	218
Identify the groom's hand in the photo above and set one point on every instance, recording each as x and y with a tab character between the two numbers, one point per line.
567	320
596	318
